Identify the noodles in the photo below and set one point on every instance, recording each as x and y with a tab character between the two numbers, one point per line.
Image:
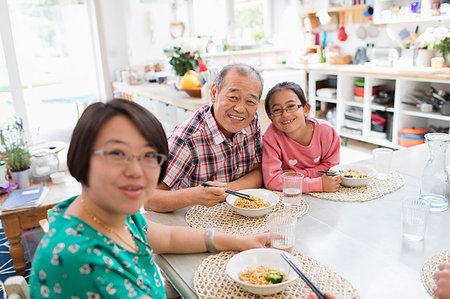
259	275
248	204
353	173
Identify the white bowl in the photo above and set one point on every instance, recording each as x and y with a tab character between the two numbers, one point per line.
267	195
262	256
58	177
356	182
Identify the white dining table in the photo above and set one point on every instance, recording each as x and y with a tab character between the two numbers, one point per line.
362	241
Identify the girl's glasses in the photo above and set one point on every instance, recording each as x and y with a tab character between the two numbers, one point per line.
120	157
289	109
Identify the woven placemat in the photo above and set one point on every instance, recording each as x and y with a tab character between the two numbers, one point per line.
375	189
222	217
212	281
429	268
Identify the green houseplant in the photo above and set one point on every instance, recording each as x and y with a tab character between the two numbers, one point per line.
185	54
16	153
436	38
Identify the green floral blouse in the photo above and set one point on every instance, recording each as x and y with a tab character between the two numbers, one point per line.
74	260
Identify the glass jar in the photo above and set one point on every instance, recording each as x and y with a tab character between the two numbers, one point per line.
3	178
435	179
43	163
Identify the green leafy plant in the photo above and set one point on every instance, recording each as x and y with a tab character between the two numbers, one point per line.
185	54
436	38
16	151
444	48
184	61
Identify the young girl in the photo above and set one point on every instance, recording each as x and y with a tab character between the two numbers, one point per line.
295	142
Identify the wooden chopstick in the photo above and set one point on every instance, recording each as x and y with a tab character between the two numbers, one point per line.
238	194
302	276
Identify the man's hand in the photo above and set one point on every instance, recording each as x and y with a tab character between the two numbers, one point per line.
331	183
210	196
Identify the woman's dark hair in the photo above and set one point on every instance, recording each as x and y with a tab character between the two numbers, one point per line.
281	86
241	69
93	119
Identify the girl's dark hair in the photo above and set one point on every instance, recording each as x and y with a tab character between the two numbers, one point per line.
93	119
281	86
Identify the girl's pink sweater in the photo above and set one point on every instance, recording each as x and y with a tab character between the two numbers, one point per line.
281	152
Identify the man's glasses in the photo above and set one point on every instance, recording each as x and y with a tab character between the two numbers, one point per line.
119	157
289	109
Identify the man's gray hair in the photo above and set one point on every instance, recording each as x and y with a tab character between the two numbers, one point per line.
241	69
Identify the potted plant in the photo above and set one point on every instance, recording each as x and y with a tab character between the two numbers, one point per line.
17	154
436	38
185	54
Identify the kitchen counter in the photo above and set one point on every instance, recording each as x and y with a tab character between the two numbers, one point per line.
162	93
415	73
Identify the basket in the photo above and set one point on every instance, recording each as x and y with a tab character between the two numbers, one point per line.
340	59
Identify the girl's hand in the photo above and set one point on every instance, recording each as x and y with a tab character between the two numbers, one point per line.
331	183
288	170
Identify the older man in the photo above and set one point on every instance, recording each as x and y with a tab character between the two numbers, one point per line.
220	145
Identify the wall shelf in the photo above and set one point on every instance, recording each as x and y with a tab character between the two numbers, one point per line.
344	13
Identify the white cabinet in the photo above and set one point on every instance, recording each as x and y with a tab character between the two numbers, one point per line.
356	117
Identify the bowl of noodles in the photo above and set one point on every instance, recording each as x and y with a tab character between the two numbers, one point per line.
263	202
254	270
355	175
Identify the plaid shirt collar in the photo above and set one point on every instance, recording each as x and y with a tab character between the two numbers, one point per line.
217	135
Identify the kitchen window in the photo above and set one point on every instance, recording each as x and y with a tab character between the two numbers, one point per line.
52	55
241	22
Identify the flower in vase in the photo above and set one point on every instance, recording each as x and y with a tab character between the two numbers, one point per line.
436	38
185	54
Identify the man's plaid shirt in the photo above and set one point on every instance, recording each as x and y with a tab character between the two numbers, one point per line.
200	152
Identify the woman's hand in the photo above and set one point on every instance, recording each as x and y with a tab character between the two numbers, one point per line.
331	183
442	277
241	243
314	296
210	196
254	241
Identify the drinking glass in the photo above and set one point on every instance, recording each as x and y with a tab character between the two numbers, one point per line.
282	230
292	189
415	214
382	158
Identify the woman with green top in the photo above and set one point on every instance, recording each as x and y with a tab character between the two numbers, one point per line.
98	244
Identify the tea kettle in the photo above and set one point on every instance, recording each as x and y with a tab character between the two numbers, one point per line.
361	55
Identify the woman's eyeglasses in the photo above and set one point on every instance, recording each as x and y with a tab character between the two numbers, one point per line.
119	157
289	109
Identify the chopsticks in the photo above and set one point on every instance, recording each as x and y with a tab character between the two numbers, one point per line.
328	173
319	294
333	173
238	194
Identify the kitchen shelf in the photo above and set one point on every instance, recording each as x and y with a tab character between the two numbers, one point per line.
355	11
381	108
385	6
431	115
354	104
327	100
400	116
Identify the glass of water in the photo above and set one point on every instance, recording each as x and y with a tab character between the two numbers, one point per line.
292	189
415	214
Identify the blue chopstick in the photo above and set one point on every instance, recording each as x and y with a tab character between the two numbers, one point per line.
305	279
